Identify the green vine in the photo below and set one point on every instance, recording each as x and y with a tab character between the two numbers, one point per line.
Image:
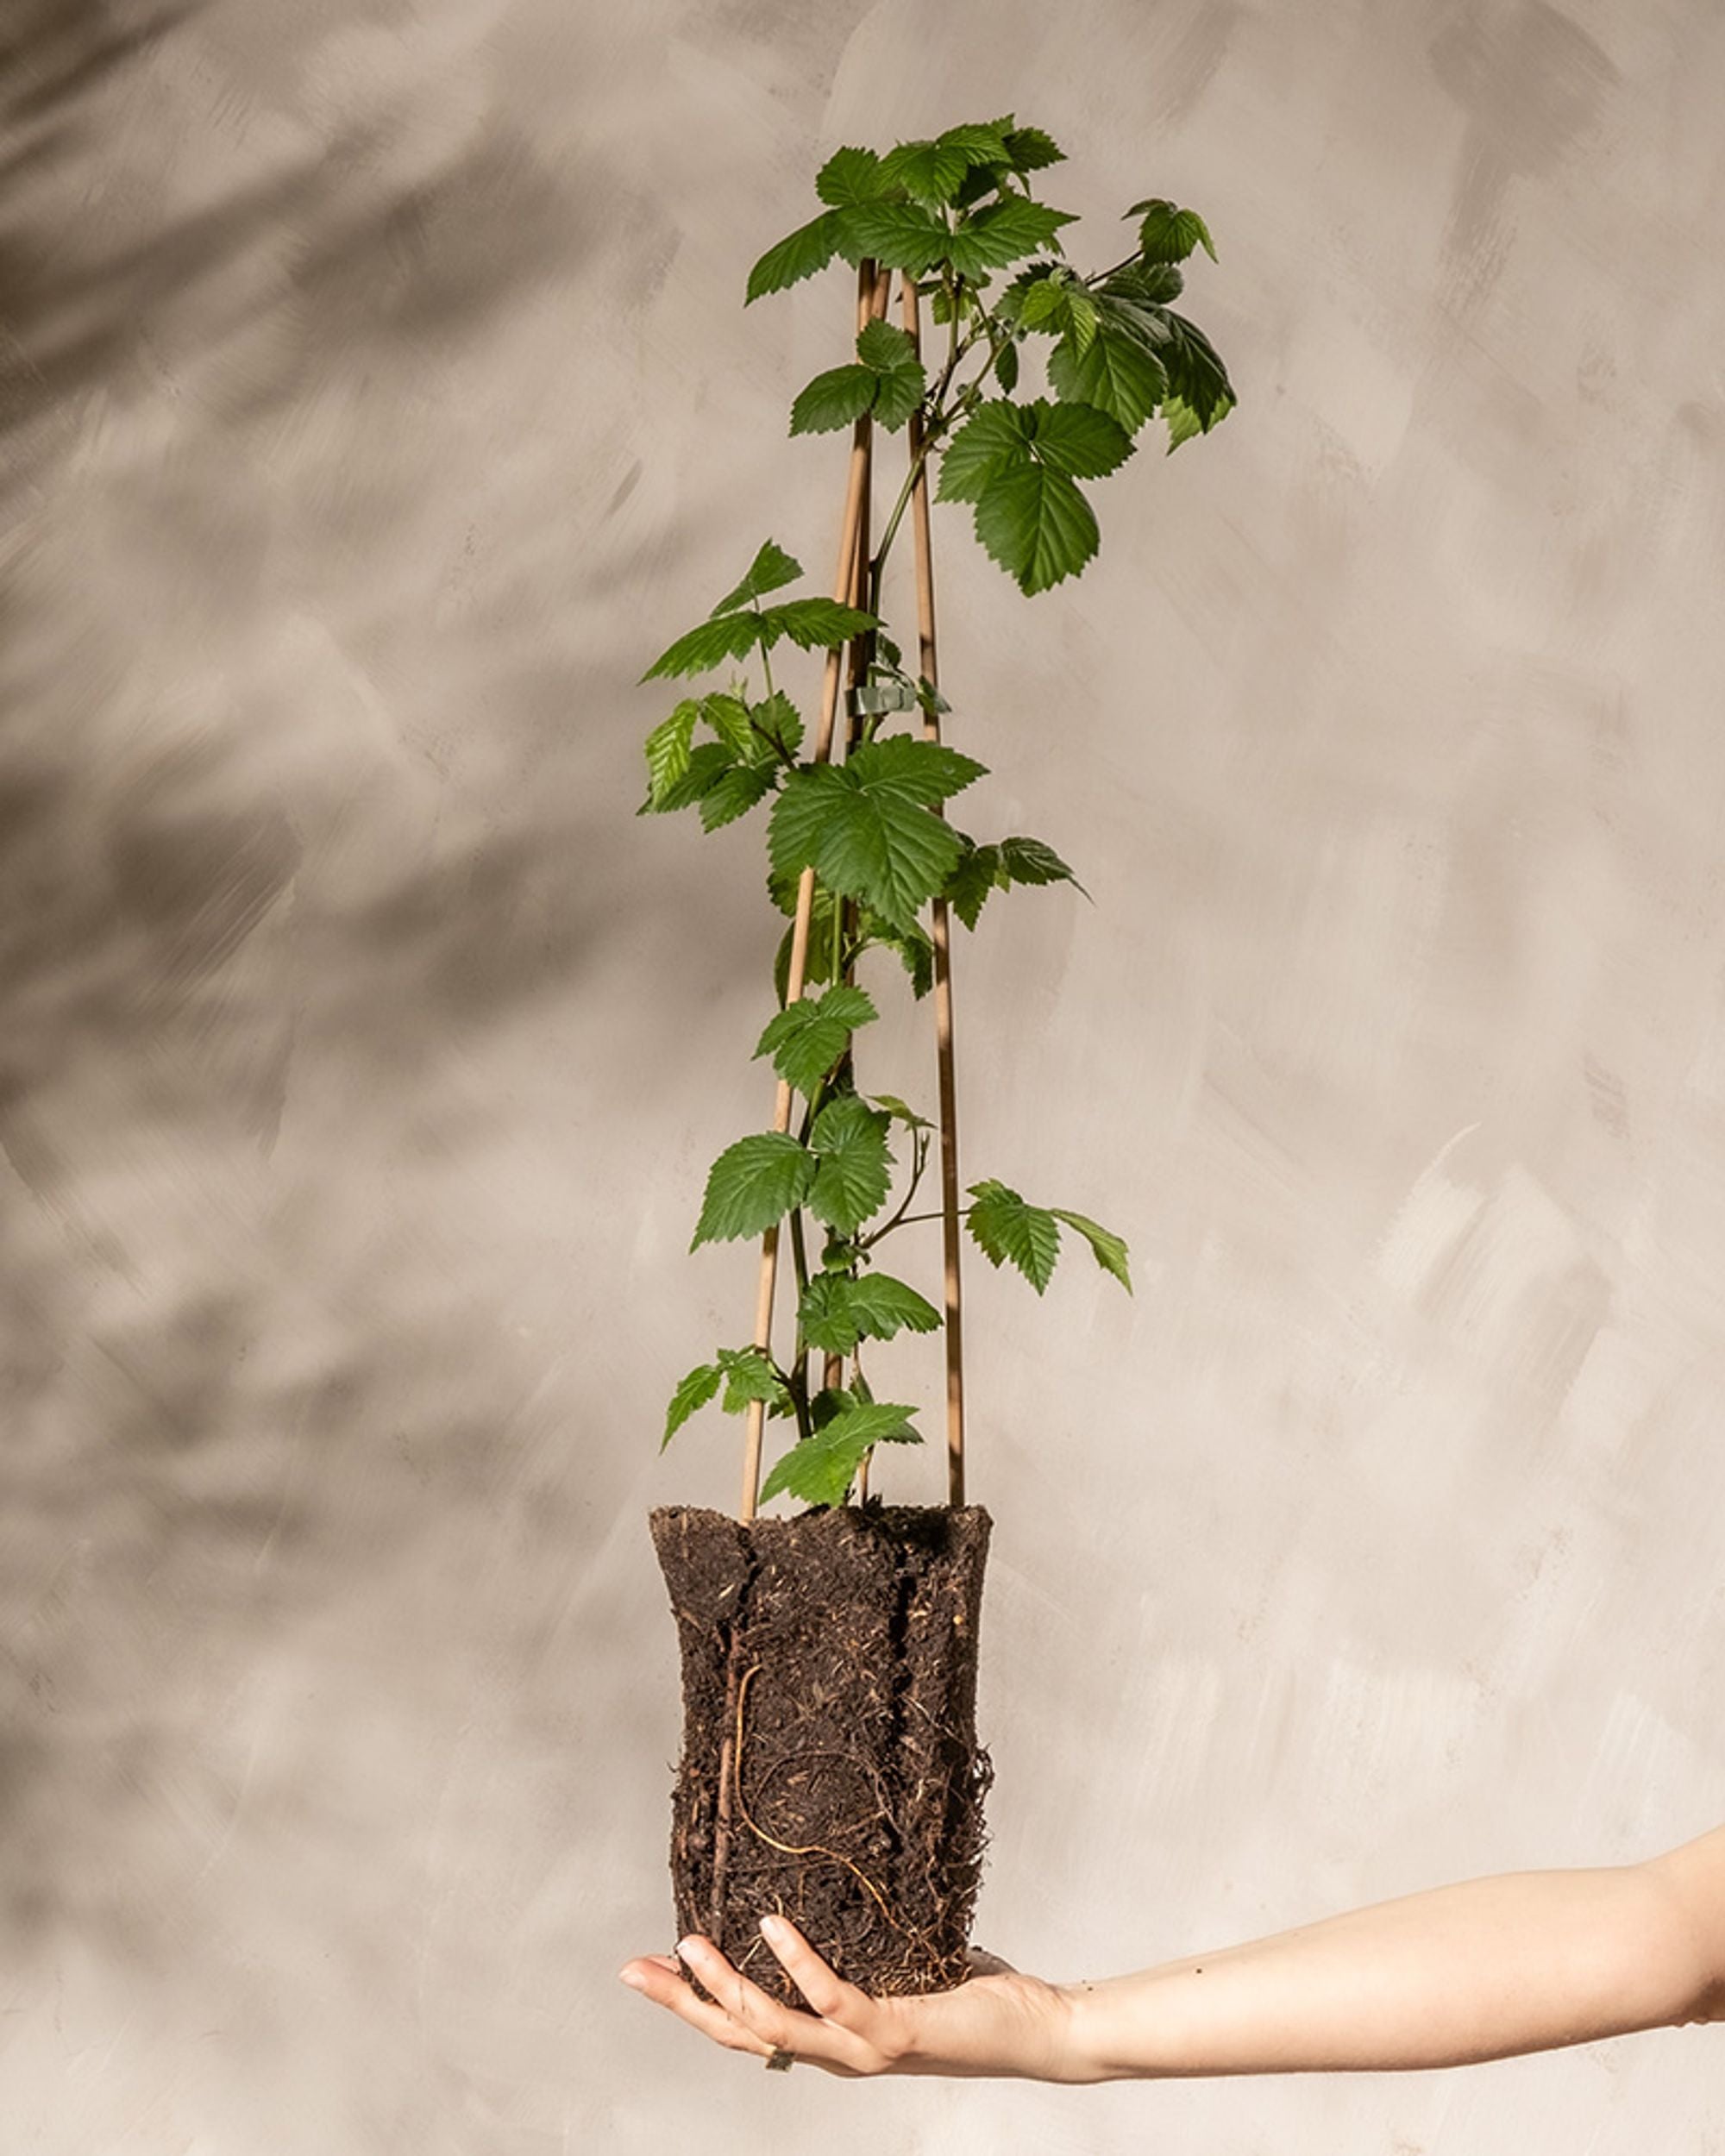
956	214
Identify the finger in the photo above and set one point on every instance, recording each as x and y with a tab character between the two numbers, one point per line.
826	1990
778	2028
656	1976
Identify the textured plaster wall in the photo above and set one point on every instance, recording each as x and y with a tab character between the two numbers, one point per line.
378	400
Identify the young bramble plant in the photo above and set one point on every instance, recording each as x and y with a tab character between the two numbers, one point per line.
956	218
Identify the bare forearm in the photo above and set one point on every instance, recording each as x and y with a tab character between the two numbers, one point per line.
1482	1970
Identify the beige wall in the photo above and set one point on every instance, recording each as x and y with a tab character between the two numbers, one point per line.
380	401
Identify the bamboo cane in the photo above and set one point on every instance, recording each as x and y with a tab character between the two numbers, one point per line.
929	666
872	292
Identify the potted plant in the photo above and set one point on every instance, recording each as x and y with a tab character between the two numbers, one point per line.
829	1766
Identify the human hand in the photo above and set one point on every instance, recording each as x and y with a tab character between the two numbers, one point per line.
997	2021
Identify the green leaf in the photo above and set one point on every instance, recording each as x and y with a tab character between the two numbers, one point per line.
749	1376
752	1184
770	570
1078	439
695	1390
994	439
866	825
1034	521
1007	366
1028	861
1007	1230
707	766
1117	376
930	172
734	793
982	143
1109	1251
726	636
776	724
900	1113
808	1038
728	716
1183	421
1000	234
849	1139
1195	372
800	255
818	965
848	175
1029	149
970	882
1080	318
668	752
836	1311
916	953
1043	302
813	623
833	400
821	1468
900	381
1169	235
899	235
1153	284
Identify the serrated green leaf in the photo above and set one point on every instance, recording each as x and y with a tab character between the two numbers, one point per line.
900	1111
866	825
1000	234
668	752
980	142
694	1392
808	1036
813	624
749	1376
899	235
1110	1251
1043	302
770	570
776	724
929	171
752	1184
798	255
1195	372
1152	284
992	440
734	793
727	717
1183	421
1078	439
832	400
1029	861
836	1311
896	397
1080	318
970	882
1008	1231
1169	235
707	765
817	966
848	175
1117	376
821	1468
1007	366
916	955
849	1139
1034	521
708	645
1030	150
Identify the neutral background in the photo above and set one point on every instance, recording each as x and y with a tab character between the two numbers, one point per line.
378	400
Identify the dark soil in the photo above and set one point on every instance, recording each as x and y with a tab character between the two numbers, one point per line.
830	1770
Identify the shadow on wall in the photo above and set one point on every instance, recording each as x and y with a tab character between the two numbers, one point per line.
239	1373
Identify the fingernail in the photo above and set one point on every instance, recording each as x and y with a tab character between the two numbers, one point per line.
632	1978
774	1928
691	1949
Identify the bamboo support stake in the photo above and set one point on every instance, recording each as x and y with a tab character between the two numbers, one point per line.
929	666
872	291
